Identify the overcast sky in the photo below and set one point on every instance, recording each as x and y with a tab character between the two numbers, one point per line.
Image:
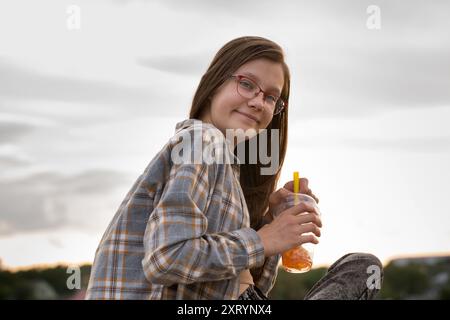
83	111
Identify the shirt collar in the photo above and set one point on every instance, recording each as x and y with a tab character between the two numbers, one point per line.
196	123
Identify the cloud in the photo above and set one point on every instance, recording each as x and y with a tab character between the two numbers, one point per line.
10	131
339	67
413	144
438	144
12	157
399	13
50	200
26	84
9	162
250	9
367	81
184	64
14	127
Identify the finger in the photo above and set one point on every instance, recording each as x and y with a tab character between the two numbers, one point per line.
308	238
289	186
304	186
278	196
300	208
310	227
314	197
309	217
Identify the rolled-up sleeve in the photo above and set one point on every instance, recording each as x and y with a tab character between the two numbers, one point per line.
267	276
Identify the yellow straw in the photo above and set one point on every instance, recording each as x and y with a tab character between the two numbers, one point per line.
296	186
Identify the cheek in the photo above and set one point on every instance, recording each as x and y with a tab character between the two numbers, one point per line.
228	100
266	121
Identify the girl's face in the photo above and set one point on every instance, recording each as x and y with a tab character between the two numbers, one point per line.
228	106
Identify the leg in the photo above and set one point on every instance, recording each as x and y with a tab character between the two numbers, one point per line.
352	277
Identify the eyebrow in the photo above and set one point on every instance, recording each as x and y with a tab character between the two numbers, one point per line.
251	75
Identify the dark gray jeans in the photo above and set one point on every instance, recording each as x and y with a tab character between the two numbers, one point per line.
355	276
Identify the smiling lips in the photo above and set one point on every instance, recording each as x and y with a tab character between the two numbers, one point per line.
248	116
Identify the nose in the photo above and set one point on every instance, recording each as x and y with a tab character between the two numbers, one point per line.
257	102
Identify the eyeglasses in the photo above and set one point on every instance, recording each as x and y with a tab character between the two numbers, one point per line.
248	89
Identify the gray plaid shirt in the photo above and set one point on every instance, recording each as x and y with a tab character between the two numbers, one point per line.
182	231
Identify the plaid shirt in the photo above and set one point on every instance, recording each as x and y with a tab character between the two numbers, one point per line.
182	231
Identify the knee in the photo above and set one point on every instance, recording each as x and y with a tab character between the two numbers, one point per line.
364	257
365	260
359	258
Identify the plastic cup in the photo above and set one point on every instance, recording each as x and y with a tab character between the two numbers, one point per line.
298	259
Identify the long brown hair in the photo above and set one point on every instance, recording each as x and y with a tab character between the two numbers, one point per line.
228	59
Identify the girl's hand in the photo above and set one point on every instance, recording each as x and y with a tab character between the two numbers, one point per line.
289	229
276	198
